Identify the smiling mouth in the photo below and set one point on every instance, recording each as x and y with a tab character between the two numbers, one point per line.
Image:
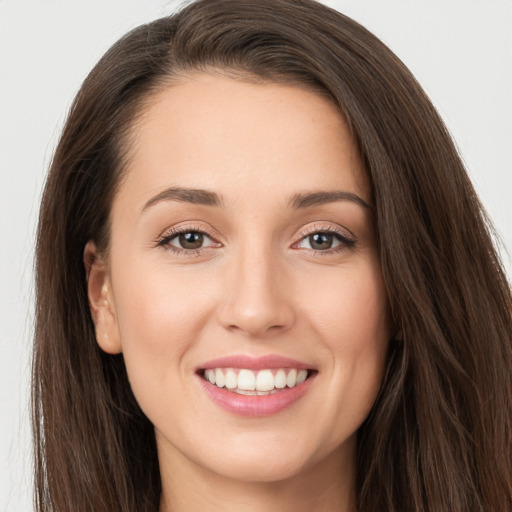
257	383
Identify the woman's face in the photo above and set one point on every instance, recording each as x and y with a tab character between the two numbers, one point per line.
242	244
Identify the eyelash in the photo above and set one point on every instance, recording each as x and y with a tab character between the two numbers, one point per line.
345	241
165	239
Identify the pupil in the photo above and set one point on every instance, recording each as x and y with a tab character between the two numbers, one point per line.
321	241
191	240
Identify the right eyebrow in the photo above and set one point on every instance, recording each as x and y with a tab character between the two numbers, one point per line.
187	195
321	197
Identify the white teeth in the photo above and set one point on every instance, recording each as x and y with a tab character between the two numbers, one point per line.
231	379
248	382
259	393
243	392
264	380
210	375
280	379
220	380
291	378
301	376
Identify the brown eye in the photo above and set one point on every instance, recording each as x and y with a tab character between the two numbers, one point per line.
187	241
191	240
321	241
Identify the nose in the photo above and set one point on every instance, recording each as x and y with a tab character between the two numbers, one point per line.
256	299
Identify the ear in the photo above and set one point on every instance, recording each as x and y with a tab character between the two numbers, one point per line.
101	301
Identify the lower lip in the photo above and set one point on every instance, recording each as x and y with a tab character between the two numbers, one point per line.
254	405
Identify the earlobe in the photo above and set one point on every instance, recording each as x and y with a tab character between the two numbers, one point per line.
101	301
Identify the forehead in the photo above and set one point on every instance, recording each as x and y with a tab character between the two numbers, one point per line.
241	139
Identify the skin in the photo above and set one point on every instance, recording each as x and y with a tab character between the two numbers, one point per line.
257	286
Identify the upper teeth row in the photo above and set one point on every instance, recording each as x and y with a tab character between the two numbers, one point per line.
263	380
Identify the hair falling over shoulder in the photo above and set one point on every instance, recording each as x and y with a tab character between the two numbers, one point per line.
439	437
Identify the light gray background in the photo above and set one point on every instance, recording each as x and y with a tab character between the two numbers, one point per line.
460	51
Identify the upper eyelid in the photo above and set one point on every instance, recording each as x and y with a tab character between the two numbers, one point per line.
177	230
317	227
164	239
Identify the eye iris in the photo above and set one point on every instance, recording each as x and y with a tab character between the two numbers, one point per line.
321	241
191	240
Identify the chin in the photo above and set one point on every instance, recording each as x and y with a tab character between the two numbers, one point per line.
264	471
259	461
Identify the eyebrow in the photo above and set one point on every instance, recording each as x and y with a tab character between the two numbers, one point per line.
309	199
297	201
186	195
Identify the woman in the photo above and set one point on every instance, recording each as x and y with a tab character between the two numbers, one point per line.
262	275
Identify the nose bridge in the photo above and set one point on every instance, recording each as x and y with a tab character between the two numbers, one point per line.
255	298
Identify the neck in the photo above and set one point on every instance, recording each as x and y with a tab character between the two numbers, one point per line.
326	486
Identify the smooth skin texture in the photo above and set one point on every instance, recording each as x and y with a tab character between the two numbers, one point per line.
255	284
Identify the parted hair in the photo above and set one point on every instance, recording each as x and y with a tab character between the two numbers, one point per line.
439	437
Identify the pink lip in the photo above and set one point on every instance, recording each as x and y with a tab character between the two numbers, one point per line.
253	405
255	363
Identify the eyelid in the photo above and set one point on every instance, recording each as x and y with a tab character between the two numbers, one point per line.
347	239
171	233
186	227
327	228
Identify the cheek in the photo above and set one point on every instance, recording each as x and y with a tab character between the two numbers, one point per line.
156	304
351	311
362	332
160	317
351	320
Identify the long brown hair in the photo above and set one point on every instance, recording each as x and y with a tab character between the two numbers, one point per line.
439	437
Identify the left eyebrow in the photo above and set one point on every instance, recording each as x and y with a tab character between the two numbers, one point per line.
186	195
309	199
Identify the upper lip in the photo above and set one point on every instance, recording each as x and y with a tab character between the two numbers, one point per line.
255	363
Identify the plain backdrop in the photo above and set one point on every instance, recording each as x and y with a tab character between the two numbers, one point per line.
460	51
